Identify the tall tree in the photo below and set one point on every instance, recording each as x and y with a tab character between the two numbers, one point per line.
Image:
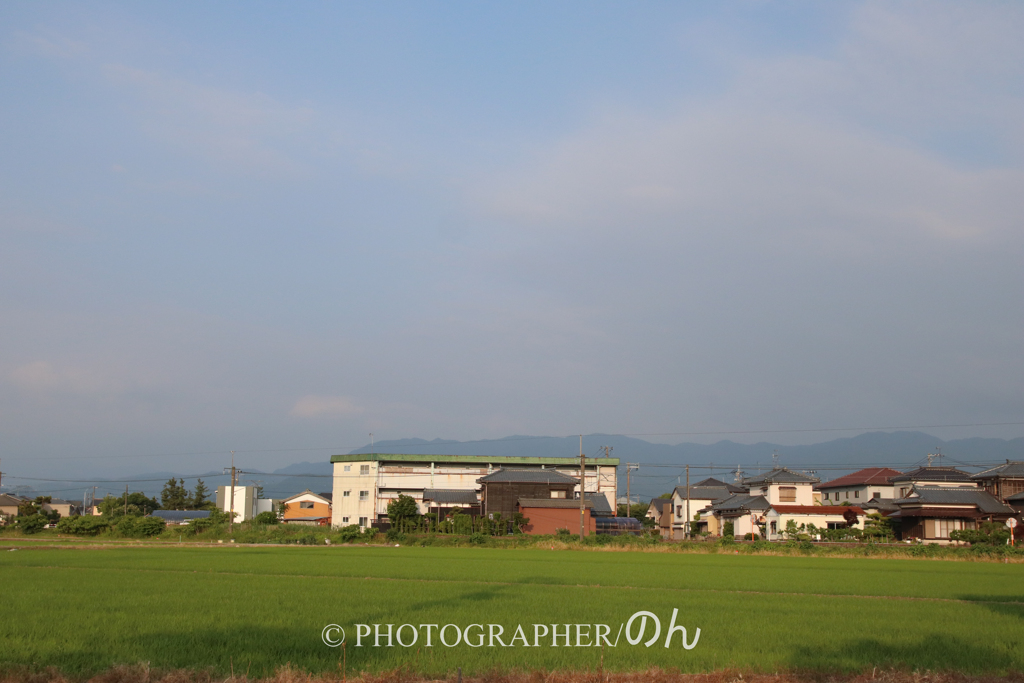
174	495
199	499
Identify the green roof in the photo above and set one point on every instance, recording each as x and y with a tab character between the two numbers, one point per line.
500	460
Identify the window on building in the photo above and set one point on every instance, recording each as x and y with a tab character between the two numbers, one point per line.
345	494
364	469
362	521
856	494
876	494
944	526
826	495
305	505
348	468
787	494
558	494
364	495
344	520
679	510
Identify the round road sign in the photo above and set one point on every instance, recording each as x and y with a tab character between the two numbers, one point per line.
1011	522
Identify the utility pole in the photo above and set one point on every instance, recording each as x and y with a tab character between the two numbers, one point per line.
583	475
234	476
686	526
629	501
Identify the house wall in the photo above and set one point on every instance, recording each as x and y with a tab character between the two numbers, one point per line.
294	509
820	521
549	520
679	513
856	494
772	493
245	501
502	497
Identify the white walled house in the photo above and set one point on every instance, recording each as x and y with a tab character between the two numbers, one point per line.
698	499
782	486
365	483
821	516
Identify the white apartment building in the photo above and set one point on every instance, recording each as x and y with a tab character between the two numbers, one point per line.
365	483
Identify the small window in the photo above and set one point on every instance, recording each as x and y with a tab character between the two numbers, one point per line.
679	510
364	469
826	495
344	520
558	494
346	494
305	505
364	495
787	494
348	468
362	521
856	494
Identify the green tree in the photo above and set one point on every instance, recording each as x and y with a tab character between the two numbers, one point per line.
878	527
200	498
402	509
267	518
174	495
28	509
138	503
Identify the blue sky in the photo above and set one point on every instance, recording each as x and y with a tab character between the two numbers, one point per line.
250	226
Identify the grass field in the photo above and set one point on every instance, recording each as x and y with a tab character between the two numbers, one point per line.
256	608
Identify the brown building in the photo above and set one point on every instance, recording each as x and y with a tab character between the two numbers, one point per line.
503	488
930	513
548	515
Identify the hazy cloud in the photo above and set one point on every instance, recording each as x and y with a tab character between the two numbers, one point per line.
325	406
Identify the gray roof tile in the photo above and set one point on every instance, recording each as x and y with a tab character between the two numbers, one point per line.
1011	468
938	495
537	476
450	496
933	474
780	475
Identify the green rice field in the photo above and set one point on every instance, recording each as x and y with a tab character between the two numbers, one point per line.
253	609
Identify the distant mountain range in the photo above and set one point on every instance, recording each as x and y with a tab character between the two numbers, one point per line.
661	465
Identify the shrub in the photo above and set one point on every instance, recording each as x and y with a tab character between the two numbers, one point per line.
83	525
395	536
349	533
149	526
727	529
562	532
478	538
728	539
32	524
266	518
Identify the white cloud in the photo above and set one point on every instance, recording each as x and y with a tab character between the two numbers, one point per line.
325	406
800	150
